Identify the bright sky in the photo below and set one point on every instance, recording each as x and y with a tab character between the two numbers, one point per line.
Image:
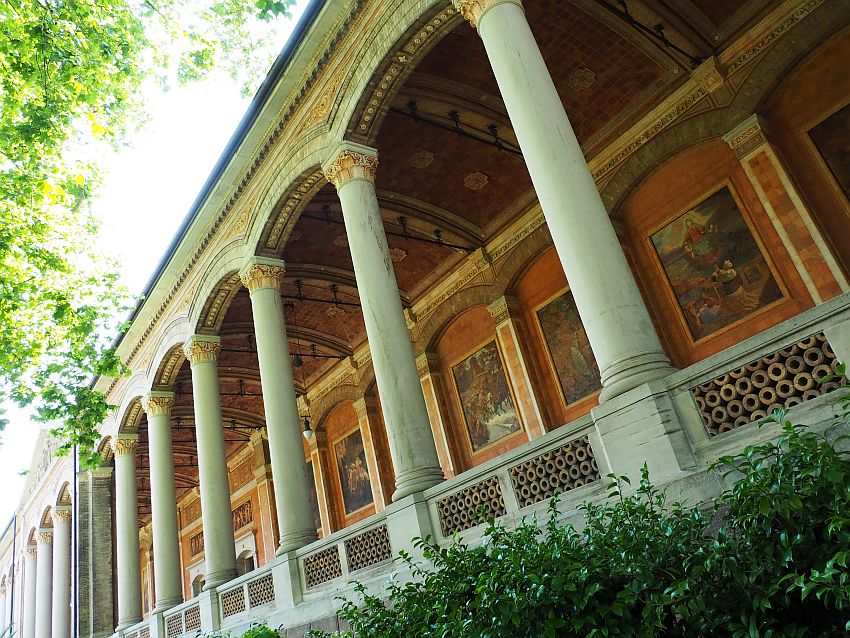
148	189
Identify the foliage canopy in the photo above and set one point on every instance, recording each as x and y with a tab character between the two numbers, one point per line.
643	566
71	72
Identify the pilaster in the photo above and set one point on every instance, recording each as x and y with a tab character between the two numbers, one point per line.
434	389
789	215
523	377
321	472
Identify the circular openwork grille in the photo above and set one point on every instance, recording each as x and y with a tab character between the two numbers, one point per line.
261	591
570	466
464	509
145	632
193	618
232	602
368	548
322	566
174	625
781	379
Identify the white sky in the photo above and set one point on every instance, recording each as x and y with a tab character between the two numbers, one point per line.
148	190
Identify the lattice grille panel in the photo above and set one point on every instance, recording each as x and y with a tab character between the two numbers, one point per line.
781	379
261	591
560	470
135	634
145	632
193	618
174	625
232	602
322	566
368	548
463	509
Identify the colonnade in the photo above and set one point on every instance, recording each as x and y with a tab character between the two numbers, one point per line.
46	600
617	322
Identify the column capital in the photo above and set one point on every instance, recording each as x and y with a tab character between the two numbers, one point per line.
473	10
503	309
44	536
262	272
31	551
158	403
62	514
351	161
427	363
202	348
747	136
125	444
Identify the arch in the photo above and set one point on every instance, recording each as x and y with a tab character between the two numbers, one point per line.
169	365
363	384
514	266
63	494
759	80
217	301
131	413
104	450
46	520
429	332
31	536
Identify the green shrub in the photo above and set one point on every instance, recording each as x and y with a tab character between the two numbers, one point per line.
260	630
643	566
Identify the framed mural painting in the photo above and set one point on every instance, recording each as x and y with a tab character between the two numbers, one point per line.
568	348
354	480
313	495
832	139
488	408
716	269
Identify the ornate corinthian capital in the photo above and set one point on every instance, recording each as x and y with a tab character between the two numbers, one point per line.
62	515
158	403
202	348
352	161
44	537
472	10
262	274
31	552
124	445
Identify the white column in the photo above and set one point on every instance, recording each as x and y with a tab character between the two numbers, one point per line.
30	580
166	534
127	569
352	170
617	322
3	609
219	549
61	611
44	583
262	278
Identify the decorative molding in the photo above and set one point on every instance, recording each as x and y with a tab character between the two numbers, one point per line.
473	10
262	274
503	309
62	515
202	349
31	552
352	162
763	40
44	537
708	75
426	363
124	445
158	403
746	137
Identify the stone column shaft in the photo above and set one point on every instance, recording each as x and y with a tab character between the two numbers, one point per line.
219	548
61	573
291	489
166	534
614	315
127	568
29	598
44	583
414	455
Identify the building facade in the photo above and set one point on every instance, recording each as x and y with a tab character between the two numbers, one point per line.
457	256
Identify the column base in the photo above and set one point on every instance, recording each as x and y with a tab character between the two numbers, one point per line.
417	480
631	372
164	605
640	427
219	578
295	540
408	519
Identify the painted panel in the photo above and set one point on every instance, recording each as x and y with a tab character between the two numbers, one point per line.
717	270
353	472
488	407
569	348
832	139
